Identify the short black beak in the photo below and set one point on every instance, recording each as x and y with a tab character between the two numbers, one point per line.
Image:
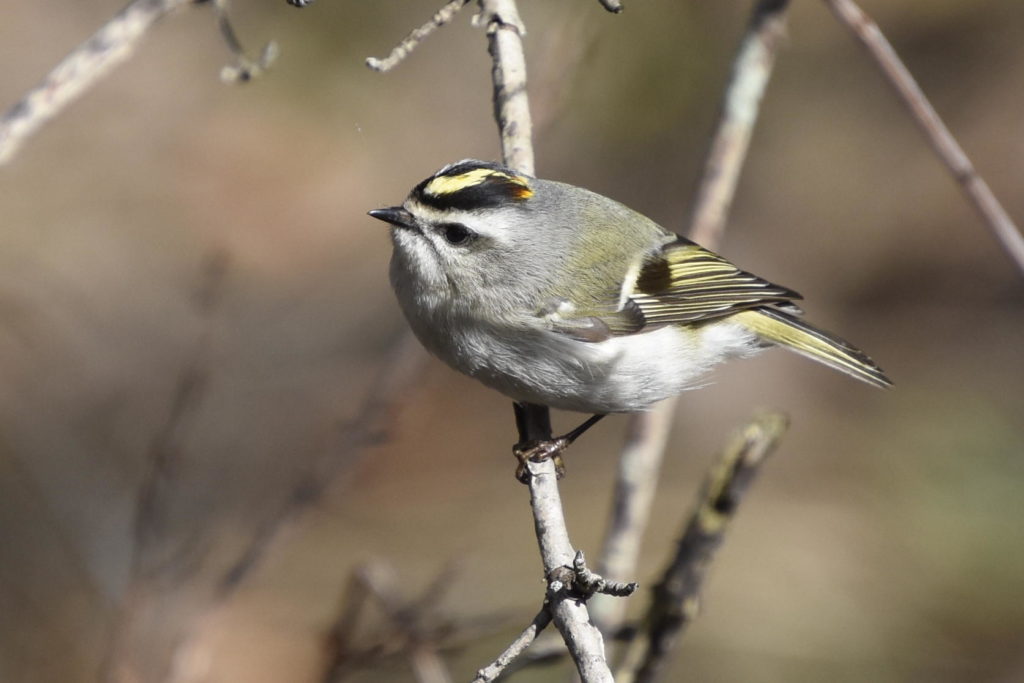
394	215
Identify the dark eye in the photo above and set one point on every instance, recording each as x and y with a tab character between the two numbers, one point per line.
456	233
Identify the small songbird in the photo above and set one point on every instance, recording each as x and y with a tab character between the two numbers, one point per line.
558	296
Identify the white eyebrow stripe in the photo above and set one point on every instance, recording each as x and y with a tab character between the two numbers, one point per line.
429	213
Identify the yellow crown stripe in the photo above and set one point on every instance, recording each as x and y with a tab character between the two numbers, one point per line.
443	185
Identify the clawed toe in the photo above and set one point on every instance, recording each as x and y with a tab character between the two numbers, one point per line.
539	451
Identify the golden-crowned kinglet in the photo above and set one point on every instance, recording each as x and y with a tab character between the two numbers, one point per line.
558	296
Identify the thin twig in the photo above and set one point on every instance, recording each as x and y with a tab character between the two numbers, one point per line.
642	455
516	648
80	70
941	140
412	41
674	602
153	557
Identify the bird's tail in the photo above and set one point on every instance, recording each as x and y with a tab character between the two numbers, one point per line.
792	333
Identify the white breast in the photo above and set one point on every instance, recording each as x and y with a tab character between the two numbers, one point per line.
621	374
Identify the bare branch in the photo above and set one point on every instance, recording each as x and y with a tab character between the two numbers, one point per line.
941	140
511	107
674	602
80	70
516	648
642	455
412	41
108	47
568	612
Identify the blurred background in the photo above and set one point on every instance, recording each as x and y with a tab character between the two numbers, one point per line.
194	308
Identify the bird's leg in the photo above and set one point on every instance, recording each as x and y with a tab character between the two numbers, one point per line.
536	442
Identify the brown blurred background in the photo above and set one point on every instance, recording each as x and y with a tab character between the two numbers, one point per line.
885	542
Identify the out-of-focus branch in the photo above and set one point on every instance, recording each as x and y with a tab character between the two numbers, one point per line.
674	602
153	557
108	47
80	70
413	626
941	140
418	35
751	70
245	68
642	455
399	370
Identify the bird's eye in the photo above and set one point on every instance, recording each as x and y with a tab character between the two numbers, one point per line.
457	233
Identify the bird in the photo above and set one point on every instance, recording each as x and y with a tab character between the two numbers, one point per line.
558	296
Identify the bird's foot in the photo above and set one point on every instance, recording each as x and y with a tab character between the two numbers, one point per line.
539	451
